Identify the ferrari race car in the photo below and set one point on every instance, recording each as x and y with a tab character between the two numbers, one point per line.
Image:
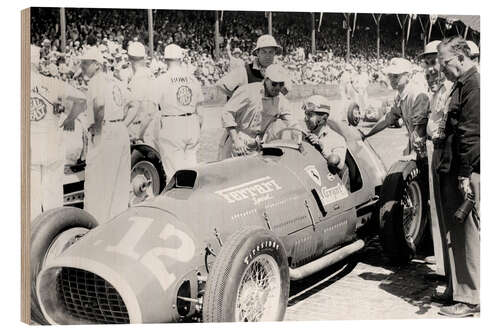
224	239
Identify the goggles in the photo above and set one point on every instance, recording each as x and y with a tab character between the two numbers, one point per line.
277	84
310	107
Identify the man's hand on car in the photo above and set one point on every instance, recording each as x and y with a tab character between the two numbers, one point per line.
239	146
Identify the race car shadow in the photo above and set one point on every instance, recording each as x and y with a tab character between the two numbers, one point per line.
413	282
302	289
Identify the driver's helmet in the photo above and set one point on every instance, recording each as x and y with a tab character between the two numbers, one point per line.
316	103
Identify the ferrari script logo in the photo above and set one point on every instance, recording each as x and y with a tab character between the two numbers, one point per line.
258	190
333	194
313	173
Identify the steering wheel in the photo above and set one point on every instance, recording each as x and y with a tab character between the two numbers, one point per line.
291	129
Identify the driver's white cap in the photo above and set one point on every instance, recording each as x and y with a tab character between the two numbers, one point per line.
318	103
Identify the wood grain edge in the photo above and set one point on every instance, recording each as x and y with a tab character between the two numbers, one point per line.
25	166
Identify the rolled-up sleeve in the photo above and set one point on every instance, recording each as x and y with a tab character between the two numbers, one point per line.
233	107
234	79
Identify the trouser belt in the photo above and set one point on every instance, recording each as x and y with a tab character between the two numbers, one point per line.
179	115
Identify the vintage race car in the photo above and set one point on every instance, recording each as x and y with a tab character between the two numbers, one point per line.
224	239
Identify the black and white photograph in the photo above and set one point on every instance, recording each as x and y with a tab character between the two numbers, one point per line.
205	166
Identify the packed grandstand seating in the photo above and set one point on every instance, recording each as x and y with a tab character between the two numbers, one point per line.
112	29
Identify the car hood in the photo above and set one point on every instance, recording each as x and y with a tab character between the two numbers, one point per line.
142	253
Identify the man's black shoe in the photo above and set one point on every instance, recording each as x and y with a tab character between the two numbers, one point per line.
443	298
459	310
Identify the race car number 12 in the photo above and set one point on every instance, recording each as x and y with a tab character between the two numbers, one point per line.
151	259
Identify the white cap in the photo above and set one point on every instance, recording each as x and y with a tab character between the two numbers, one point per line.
136	50
92	53
474	49
35	54
430	48
276	73
317	103
173	51
266	41
398	66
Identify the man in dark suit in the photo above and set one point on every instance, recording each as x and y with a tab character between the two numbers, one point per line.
457	161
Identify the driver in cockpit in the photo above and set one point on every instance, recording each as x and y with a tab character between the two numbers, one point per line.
332	145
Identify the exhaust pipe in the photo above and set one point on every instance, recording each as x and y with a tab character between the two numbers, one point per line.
323	262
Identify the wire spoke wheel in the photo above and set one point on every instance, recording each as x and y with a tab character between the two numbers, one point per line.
412	210
144	182
258	294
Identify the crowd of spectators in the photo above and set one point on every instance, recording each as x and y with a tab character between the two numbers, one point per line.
112	29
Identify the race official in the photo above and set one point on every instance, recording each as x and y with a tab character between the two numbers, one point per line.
180	125
264	54
332	145
107	174
250	112
457	147
47	122
144	124
411	104
439	90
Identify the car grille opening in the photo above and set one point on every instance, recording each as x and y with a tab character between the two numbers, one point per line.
89	297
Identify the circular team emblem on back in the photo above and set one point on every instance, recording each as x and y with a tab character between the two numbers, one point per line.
117	96
184	95
38	109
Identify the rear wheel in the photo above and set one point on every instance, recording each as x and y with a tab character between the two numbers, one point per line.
51	233
249	280
403	212
146	177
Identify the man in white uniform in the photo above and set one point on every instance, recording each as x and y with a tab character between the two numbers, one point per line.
179	97
144	124
107	175
252	111
46	125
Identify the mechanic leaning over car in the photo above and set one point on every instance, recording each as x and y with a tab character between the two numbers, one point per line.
411	104
439	91
143	125
179	96
332	145
107	174
264	54
254	109
48	119
457	161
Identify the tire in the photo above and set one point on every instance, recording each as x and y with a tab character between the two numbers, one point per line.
247	249
351	118
149	166
46	229
403	211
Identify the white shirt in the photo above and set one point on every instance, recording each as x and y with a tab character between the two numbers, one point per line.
112	92
179	92
45	125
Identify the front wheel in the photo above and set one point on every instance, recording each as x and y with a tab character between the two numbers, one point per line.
249	280
53	232
403	212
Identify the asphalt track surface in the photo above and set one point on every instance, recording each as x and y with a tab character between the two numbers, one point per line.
364	286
